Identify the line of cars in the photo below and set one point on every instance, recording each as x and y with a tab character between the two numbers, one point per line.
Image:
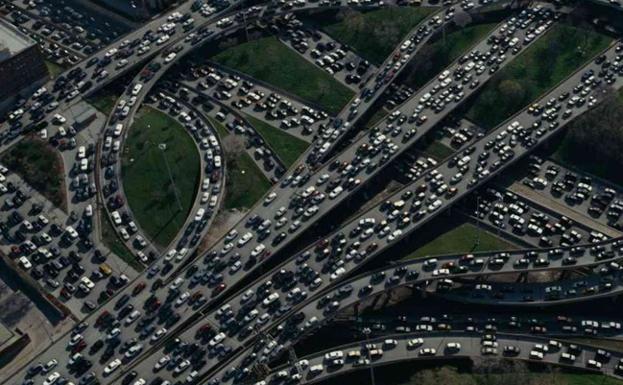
603	281
518	323
323	365
334	58
580	192
211	189
510	213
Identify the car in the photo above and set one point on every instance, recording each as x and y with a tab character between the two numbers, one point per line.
49	365
52	378
112	366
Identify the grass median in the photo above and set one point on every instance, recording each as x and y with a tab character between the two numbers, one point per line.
465	238
41	166
116	245
287	147
54	69
372	34
161	170
557	54
269	60
245	183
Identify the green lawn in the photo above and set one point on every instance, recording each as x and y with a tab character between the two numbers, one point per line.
41	166
436	150
442	52
269	60
567	154
602	161
376	118
287	147
116	245
104	101
245	183
54	69
221	130
151	194
449	375
373	34
589	379
462	239
560	52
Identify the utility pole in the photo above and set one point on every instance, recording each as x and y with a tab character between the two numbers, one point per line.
163	147
477	241
366	332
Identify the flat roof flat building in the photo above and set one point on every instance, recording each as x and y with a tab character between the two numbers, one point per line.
22	68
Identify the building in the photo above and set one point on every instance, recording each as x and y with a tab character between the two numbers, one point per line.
137	9
22	68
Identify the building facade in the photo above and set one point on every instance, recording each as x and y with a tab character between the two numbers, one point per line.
22	67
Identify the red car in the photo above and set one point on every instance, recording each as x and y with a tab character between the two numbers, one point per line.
217	290
138	288
79	346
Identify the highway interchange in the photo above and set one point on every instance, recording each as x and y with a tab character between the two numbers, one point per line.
189	296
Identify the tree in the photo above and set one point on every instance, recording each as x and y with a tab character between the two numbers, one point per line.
442	375
512	91
600	131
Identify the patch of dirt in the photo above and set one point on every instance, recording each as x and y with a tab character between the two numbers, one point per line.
224	221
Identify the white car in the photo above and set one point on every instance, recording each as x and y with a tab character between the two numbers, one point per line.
112	366
162	362
52	378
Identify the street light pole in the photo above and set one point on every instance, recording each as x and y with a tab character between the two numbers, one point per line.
366	332
162	148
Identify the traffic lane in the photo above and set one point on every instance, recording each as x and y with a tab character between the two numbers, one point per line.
317	311
52	37
607	214
524	322
197	225
605	282
268	163
520	218
470	346
325	53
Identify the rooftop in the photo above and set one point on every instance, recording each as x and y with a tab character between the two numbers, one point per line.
12	41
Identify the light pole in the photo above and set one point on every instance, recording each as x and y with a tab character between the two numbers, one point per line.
366	332
162	147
